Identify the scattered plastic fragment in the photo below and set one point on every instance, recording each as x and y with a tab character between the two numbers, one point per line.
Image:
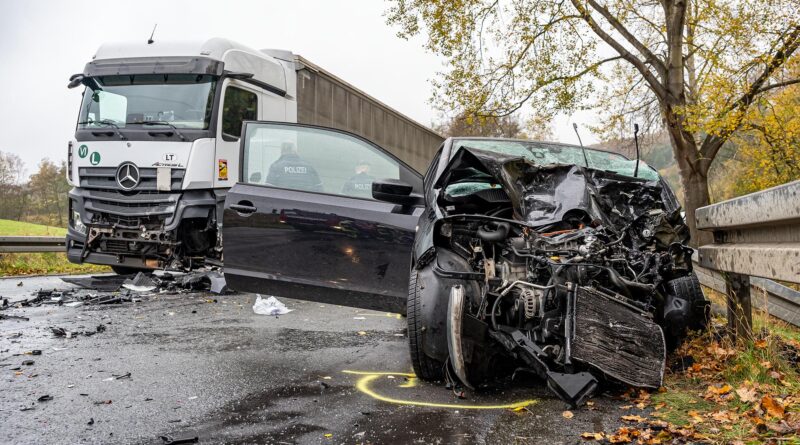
218	284
45	398
269	306
171	441
140	283
61	332
13	317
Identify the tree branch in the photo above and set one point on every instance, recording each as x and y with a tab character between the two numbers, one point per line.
713	143
649	57
530	93
652	81
786	83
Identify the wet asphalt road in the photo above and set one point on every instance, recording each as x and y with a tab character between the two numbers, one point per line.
321	374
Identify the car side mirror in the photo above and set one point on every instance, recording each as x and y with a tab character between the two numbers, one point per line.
395	191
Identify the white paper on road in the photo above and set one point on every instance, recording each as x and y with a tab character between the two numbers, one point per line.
269	306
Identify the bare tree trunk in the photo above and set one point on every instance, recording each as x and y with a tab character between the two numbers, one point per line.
695	189
694	177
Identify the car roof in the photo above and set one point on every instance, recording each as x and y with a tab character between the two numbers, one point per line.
485	138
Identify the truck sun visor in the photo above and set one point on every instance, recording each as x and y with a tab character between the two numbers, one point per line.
154	65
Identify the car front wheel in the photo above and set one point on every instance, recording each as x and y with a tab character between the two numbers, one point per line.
425	367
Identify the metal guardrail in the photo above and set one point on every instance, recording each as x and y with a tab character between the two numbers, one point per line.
776	299
756	235
20	244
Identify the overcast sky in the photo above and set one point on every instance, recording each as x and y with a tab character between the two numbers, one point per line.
42	43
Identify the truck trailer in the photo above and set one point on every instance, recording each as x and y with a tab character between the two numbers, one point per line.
156	145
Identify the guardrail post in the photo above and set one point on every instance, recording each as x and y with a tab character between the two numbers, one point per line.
740	309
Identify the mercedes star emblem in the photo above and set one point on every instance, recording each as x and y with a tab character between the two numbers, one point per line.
128	176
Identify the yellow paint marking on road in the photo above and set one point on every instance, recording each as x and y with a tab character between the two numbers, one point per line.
363	385
387	314
404	374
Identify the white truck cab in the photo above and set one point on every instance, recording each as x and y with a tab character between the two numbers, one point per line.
156	145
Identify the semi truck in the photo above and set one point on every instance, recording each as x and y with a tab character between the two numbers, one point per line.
156	145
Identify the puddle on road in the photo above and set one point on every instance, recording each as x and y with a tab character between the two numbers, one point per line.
291	339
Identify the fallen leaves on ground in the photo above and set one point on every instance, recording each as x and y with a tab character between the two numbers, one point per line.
747	394
772	407
633	418
718	392
567	414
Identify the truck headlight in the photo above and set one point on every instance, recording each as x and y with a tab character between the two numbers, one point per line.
77	224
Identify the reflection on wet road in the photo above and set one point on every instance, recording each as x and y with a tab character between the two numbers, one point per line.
320	374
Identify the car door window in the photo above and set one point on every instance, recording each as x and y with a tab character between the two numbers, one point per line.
238	106
315	159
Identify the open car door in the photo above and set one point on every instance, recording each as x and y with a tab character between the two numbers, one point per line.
303	222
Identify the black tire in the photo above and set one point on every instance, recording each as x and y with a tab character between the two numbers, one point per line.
695	316
124	270
425	367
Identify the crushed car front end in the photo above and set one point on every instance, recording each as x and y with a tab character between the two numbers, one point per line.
579	274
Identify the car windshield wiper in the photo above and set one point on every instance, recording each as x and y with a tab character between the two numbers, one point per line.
162	123
107	123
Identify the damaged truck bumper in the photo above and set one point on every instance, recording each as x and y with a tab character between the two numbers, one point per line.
147	230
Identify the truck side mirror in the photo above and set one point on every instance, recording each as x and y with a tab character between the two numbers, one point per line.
75	80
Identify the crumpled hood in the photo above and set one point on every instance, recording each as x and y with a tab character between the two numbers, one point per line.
544	194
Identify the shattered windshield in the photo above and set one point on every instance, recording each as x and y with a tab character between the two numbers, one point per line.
544	153
182	100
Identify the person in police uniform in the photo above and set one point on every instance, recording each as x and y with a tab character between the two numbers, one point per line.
359	184
292	171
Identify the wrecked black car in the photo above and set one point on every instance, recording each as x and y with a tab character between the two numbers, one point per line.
568	263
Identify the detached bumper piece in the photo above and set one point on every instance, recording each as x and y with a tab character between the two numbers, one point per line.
611	337
573	388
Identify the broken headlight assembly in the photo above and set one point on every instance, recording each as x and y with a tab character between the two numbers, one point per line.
77	223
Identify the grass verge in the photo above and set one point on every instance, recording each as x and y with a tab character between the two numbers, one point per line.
38	263
721	392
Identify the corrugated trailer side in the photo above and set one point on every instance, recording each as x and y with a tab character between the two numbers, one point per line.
324	99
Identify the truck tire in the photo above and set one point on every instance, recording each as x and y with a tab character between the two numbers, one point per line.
425	367
123	270
685	308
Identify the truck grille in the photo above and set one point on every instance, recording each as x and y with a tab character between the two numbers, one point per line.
142	206
104	178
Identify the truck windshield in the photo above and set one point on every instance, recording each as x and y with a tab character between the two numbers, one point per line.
182	100
545	153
